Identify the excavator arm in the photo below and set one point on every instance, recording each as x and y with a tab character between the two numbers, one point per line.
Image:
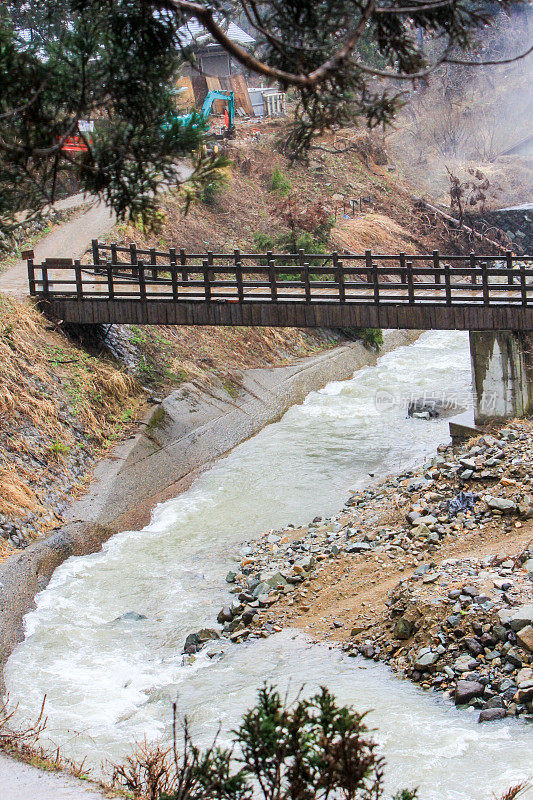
219	94
202	118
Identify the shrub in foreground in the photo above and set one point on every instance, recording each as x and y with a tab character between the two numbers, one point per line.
312	749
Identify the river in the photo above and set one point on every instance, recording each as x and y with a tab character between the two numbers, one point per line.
109	683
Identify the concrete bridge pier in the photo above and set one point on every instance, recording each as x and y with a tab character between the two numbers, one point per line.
502	374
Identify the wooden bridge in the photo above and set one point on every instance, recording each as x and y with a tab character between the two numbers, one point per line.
126	284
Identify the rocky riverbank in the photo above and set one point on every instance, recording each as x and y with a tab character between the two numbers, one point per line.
430	571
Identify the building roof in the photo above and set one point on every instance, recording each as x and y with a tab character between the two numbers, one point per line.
194	31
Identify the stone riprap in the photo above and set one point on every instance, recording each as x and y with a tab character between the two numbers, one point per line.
459	625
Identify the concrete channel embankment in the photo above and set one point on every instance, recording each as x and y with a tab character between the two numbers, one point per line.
176	440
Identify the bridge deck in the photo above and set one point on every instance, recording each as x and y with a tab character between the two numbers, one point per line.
392	291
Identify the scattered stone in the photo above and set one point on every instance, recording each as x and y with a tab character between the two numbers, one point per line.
455	625
130	616
403	628
502	504
492	714
522	618
525	637
425	661
195	641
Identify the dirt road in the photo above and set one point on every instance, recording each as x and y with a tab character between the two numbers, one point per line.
70	239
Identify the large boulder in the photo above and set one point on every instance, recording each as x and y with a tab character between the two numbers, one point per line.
195	641
491	714
130	616
467	690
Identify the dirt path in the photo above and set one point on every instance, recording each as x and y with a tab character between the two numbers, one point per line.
70	239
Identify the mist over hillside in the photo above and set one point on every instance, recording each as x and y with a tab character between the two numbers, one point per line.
467	118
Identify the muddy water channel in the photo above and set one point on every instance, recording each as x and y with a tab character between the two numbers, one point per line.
111	681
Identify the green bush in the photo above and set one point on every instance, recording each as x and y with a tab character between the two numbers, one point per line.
213	190
263	242
371	337
280	183
311	750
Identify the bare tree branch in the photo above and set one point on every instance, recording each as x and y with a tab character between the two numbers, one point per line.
416	9
490	63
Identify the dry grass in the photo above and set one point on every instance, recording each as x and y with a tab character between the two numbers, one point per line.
376	232
207	354
56	402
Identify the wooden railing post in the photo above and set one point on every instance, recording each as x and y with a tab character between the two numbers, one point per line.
236	260
272	279
374	272
307	283
114	259
174	278
96	255
403	272
436	267
523	284
410	283
485	282
473	276
339	277
448	284
509	262
183	262
110	287
301	260
372	276
210	261
207	282
133	259
238	277
46	285
153	262
79	281
31	277
142	281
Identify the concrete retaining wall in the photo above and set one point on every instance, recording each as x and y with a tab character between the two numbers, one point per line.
502	374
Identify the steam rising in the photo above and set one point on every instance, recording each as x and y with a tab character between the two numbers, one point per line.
467	117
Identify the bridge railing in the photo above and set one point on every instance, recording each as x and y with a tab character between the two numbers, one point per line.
119	272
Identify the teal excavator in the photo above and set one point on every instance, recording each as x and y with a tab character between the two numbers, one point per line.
203	116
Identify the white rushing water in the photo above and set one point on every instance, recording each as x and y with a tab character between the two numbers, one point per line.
109	683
